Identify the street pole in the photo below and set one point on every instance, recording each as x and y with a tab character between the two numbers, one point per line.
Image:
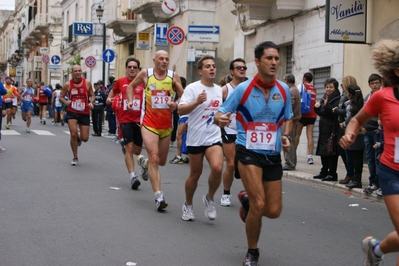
104	37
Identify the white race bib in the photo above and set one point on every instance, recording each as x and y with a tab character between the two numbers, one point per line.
261	136
78	105
396	158
136	103
27	97
160	99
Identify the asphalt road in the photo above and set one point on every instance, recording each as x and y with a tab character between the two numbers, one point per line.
52	213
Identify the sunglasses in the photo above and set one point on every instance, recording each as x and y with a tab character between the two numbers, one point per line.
134	67
240	67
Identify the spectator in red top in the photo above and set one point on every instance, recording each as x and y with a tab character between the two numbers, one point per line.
129	120
307	120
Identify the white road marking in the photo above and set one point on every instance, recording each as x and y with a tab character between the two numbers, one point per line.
43	132
8	132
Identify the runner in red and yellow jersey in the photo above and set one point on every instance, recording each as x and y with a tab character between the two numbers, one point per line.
78	109
129	120
7	101
42	103
156	117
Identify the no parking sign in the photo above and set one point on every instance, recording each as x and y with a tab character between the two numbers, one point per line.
175	35
90	61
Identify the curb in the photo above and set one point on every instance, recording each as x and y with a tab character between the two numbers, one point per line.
306	177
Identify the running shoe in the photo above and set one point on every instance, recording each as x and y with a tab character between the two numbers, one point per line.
27	130
135	183
75	162
79	141
2	150
225	201
186	160
188	214
44	122
176	160
370	189
140	161
251	260
310	160
160	202
378	192
210	210
368	245
7	126
62	123
243	198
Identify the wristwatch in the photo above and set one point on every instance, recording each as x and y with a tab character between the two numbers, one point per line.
287	136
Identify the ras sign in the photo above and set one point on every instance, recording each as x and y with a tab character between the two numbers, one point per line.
83	28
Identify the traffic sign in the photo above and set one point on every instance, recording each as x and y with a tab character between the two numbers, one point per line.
90	61
55	59
160	34
45	59
203	33
168	7
108	55
175	35
54	67
43	50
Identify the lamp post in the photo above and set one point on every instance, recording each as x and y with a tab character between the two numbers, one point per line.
100	12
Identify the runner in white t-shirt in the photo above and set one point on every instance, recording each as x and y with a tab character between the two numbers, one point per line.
201	100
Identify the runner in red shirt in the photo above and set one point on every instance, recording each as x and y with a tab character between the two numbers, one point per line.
78	109
7	101
384	103
42	103
129	120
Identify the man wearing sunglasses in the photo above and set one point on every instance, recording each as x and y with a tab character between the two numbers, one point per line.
129	120
238	70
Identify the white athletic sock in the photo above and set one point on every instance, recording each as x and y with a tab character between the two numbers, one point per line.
132	175
377	250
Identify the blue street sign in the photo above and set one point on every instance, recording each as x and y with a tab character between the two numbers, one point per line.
203	29
55	59
108	55
54	67
160	34
83	28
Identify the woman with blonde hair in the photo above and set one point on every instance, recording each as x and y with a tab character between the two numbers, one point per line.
340	110
385	103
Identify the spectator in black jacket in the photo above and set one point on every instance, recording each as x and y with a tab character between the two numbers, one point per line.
110	116
371	132
97	112
328	124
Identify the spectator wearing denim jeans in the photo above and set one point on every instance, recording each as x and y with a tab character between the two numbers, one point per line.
371	136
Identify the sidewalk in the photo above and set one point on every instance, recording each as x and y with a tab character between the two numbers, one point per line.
305	172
